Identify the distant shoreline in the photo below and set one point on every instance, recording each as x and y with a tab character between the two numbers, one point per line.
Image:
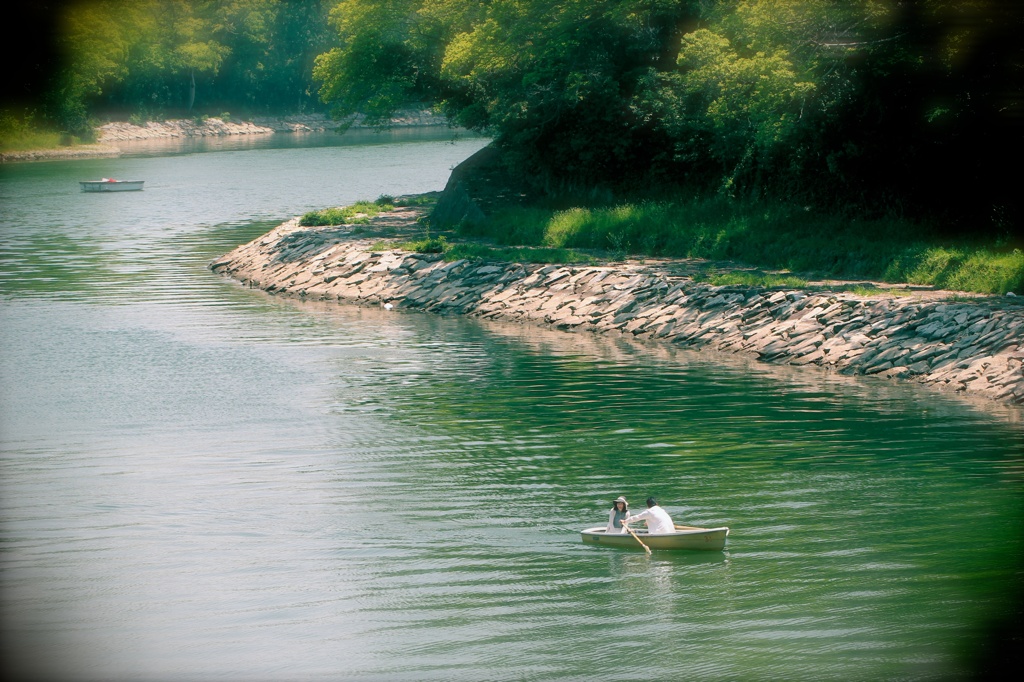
109	135
83	151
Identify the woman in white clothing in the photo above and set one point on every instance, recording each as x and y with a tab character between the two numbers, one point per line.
620	510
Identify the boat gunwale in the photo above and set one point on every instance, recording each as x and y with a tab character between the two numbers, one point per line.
643	532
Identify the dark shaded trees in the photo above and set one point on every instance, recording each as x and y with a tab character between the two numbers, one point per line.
938	114
158	58
902	107
909	107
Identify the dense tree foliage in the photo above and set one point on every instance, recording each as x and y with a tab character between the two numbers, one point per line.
903	107
157	58
898	106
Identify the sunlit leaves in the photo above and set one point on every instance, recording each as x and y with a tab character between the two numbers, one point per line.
382	62
756	97
97	47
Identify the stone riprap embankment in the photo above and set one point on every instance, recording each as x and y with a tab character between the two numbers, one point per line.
975	347
217	127
155	130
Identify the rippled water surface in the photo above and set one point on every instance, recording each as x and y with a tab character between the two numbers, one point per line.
201	481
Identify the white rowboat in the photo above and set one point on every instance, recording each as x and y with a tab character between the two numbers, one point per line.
111	185
684	537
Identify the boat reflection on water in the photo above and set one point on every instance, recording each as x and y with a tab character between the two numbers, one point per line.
111	185
684	537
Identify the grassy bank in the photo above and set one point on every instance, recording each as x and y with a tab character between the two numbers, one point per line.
19	132
359	213
777	237
779	246
31	142
16	138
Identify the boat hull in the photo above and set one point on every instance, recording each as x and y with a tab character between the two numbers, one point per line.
685	537
111	185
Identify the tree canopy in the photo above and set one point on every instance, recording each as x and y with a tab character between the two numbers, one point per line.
889	106
906	107
157	58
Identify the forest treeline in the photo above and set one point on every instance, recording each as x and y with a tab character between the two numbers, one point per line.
884	107
157	59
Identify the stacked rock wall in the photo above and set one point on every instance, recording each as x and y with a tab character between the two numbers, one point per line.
974	346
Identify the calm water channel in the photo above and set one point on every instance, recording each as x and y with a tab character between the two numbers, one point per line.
200	481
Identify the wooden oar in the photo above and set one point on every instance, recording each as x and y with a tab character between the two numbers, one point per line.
630	531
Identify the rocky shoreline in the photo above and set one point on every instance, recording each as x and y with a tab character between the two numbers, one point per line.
973	347
217	127
110	134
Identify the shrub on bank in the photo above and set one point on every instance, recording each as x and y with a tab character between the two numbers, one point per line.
358	213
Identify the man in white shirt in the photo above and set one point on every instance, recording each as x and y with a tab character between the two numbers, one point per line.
658	520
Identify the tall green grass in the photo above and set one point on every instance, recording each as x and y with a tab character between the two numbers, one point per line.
25	130
976	269
19	133
778	236
32	141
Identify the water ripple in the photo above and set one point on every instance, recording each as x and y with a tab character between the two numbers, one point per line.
200	480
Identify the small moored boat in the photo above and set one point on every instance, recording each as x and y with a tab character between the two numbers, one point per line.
684	537
111	185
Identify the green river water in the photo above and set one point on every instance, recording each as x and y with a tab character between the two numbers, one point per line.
200	481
